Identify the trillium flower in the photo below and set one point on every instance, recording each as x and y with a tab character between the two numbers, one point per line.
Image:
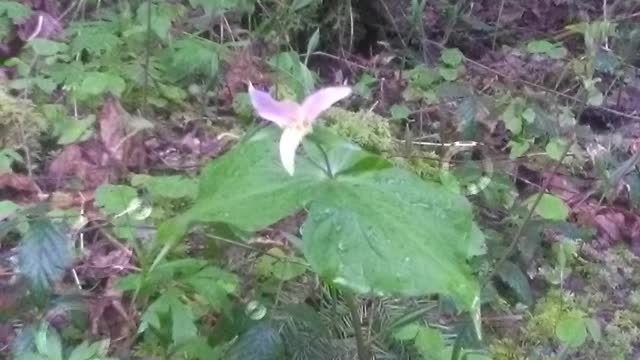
295	119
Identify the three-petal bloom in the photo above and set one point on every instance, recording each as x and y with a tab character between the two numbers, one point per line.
295	119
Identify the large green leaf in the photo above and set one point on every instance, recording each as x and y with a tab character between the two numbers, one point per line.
248	187
388	232
44	254
371	227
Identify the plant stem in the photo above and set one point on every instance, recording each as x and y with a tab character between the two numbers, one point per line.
363	351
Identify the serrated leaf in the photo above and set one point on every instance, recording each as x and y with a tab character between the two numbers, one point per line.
452	57
550	207
260	342
113	199
571	330
513	276
44	254
99	83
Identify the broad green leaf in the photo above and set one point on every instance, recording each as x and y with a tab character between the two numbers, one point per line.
167	187
301	4
539	46
593	327
193	56
113	199
513	276
98	83
452	57
182	322
422	77
550	207
312	45
44	47
430	343
449	74
407	332
260	342
375	231
7	209
400	112
14	10
248	187
364	85
518	148
279	265
7	158
215	285
76	130
512	119
44	254
529	115
595	97
572	330
555	148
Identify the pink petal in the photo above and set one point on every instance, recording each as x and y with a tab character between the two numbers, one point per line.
280	112
322	100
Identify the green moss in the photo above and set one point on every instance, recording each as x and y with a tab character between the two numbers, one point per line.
621	333
20	123
507	349
367	129
542	324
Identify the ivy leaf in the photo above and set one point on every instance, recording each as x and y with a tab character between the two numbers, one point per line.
44	254
518	148
550	207
194	57
260	342
572	330
452	57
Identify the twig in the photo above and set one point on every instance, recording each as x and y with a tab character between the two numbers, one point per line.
495	33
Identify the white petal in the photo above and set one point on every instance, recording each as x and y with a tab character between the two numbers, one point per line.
289	141
280	112
322	100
